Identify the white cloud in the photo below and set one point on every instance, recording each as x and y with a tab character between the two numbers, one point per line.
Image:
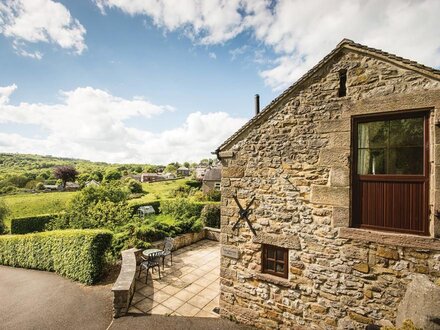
212	55
34	21
306	31
91	124
300	32
19	48
208	21
5	92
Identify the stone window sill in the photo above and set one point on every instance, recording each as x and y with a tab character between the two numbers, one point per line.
274	279
395	239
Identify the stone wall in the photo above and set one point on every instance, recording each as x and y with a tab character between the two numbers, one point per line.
296	163
125	285
190	238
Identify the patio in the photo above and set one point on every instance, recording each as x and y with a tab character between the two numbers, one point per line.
190	287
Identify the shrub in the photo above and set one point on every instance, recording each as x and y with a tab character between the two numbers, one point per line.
103	214
4	212
135	187
194	184
214	196
76	254
180	192
32	224
181	208
211	215
39	186
101	206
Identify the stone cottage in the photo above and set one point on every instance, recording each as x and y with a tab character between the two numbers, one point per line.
338	182
212	180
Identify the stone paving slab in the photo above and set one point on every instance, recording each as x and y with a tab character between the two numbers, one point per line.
189	287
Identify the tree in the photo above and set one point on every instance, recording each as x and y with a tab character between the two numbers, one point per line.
112	174
171	168
65	173
150	169
134	186
103	206
186	164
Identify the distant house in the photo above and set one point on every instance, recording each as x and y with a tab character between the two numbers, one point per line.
71	186
183	171
212	180
150	177
136	177
168	176
51	187
200	172
91	183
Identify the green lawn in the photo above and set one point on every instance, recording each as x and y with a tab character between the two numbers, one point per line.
159	190
24	205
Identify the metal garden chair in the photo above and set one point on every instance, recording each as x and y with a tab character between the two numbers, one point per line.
152	261
167	250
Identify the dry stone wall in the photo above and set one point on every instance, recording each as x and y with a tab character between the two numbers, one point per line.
296	164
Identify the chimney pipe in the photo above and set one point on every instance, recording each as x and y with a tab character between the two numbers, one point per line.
257	104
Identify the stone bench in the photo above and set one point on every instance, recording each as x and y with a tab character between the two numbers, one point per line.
125	285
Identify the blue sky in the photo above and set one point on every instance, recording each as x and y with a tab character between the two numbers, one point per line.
159	81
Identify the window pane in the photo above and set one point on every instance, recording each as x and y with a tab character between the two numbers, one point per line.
371	161
280	254
406	132
406	160
280	268
373	134
270	253
270	265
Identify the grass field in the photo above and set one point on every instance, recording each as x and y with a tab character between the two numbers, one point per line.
24	205
159	190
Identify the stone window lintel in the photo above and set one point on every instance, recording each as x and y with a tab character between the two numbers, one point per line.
280	240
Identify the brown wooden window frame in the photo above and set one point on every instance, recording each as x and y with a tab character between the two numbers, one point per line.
356	178
284	260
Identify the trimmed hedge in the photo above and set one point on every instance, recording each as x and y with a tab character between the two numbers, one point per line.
76	254
26	225
210	215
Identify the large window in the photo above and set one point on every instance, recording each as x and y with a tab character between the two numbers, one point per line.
391	174
392	146
275	260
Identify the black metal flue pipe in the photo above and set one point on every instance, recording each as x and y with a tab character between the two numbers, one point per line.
257	104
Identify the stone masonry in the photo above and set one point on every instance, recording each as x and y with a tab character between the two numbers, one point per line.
295	161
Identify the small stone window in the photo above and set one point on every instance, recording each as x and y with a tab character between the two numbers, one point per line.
275	260
342	83
217	186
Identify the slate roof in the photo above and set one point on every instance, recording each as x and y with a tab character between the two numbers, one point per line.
344	44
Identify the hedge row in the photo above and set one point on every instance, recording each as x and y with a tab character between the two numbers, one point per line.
32	224
76	254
